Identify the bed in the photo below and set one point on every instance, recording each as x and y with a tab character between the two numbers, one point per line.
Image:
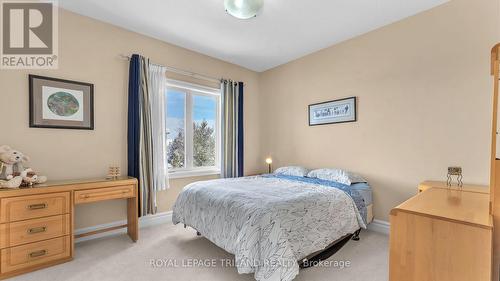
272	222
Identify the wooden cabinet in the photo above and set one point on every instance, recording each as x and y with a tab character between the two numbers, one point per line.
36	224
495	161
442	235
35	230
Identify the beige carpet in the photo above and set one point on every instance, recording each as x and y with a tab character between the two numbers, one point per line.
117	258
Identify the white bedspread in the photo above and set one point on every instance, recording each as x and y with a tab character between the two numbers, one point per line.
267	223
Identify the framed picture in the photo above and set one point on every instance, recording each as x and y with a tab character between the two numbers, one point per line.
330	112
60	104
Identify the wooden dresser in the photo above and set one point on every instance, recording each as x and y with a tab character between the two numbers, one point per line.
36	224
442	235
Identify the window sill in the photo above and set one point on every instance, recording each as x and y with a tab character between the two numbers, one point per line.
192	173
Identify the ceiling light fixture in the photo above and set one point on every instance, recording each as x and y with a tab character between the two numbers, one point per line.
243	9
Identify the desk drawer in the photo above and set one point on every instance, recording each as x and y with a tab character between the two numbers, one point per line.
34	206
29	255
22	232
101	194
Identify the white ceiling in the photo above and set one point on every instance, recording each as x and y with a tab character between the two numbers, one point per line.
284	31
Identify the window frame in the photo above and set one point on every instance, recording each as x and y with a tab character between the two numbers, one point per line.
190	90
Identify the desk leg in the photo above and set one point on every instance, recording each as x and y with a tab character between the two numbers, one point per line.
132	218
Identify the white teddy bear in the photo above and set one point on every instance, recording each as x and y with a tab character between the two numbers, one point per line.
10	158
12	170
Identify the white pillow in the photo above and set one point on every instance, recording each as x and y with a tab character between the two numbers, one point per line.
337	175
297	171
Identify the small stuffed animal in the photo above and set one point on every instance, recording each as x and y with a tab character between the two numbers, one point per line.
29	178
12	171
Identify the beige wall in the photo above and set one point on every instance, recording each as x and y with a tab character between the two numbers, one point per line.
424	94
424	103
89	51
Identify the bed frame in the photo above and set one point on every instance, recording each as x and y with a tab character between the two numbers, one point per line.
329	251
322	255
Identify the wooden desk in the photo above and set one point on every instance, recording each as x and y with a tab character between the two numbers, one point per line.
443	235
442	184
37	224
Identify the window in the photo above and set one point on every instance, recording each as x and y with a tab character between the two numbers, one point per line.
193	129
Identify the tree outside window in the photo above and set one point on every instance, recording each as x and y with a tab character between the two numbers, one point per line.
196	146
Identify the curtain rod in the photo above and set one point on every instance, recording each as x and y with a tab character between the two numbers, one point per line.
183	72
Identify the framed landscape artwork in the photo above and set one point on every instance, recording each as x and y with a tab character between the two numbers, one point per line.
330	112
60	104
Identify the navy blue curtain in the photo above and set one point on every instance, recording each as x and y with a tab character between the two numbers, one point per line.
240	130
133	132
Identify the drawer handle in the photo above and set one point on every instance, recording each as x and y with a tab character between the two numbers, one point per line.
37	230
37	206
37	254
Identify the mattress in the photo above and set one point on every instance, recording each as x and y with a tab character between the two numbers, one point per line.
365	190
268	223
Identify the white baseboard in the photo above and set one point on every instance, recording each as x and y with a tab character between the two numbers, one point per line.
379	226
166	217
156	219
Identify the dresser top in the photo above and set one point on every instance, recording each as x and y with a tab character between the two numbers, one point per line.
450	204
80	181
465	187
67	185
